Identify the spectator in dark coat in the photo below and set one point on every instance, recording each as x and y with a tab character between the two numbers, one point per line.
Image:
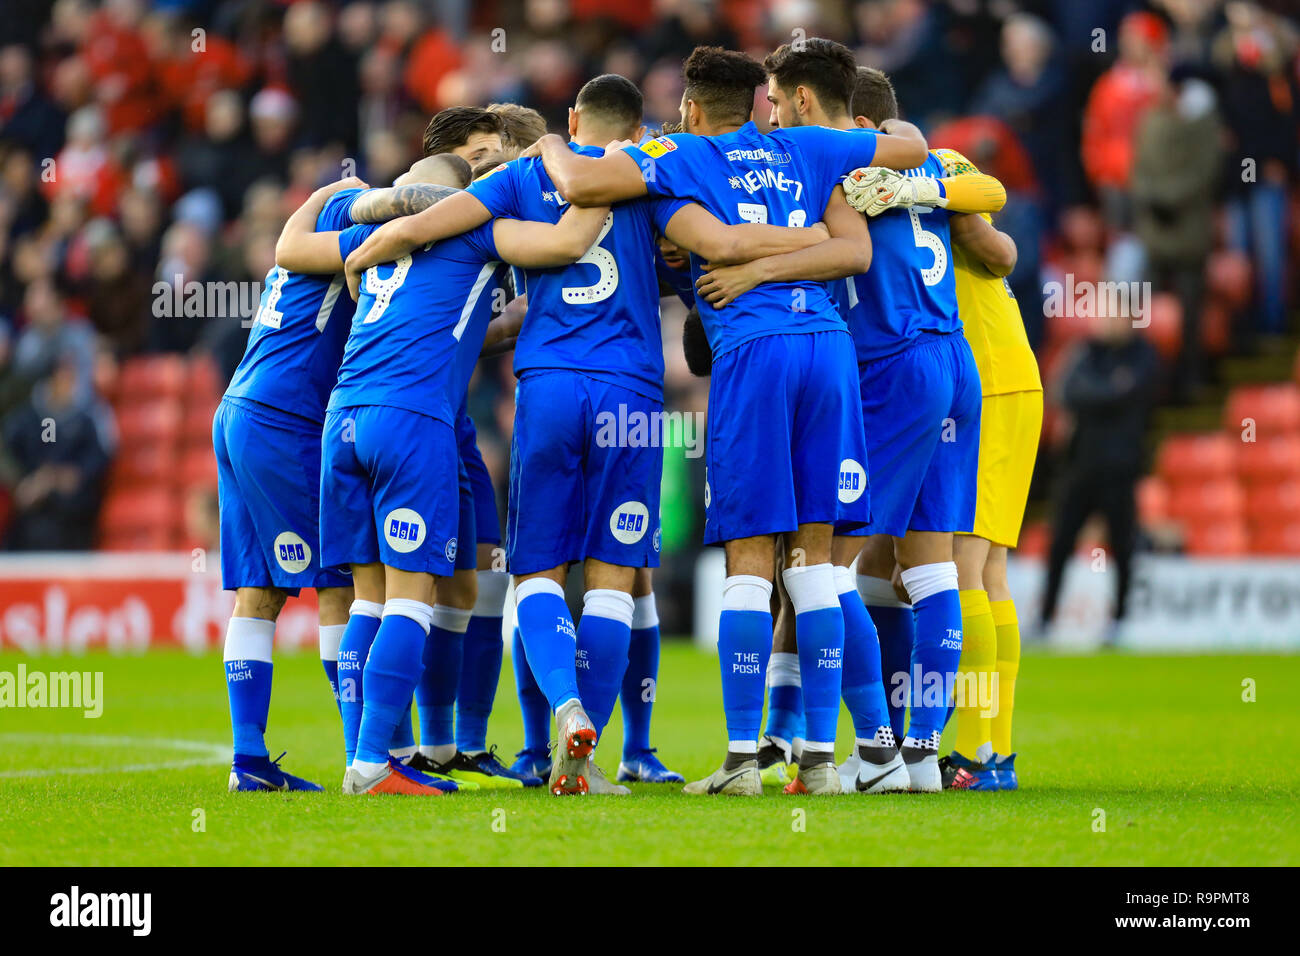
60	444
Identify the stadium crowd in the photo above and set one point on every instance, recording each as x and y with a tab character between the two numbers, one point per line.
146	146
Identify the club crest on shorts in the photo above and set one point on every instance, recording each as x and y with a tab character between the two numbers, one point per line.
450	550
657	540
403	530
291	552
629	522
853	481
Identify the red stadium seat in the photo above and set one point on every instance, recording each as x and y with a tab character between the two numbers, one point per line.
142	464
1218	539
1216	328
1275	409
1164	328
197	428
154	421
198	467
205	383
148	377
1274	502
145	513
1276	538
138	539
1212	501
1152	500
1196	457
1228	279
1271	458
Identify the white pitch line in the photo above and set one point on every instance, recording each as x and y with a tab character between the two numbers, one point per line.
202	753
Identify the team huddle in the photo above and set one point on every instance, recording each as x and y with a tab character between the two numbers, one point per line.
874	411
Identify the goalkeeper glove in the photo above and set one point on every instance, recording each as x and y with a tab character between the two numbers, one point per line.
876	189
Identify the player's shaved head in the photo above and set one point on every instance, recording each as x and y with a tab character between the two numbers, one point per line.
444	169
521	127
825	67
722	83
460	126
612	102
873	96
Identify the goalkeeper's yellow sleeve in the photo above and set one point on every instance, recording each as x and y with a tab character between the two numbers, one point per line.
967	189
972	192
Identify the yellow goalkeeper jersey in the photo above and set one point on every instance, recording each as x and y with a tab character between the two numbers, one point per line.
991	319
989	313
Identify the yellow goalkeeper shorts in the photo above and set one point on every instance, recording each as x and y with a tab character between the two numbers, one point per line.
1010	426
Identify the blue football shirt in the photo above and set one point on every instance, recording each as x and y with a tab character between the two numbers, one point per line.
600	315
292	357
416	320
910	287
784	178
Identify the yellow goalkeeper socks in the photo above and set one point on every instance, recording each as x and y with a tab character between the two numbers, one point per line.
979	644
1008	658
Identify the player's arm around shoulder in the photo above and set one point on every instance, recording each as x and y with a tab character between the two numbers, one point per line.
846	253
589	180
391	202
450	217
300	247
900	145
544	245
978	236
696	229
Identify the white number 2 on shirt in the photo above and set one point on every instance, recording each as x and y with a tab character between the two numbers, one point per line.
925	239
606	282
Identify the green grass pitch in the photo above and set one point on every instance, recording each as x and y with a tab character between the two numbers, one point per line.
1185	771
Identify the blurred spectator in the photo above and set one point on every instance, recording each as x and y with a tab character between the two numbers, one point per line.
1257	54
58	445
322	75
220	155
26	115
1115	107
1108	391
1028	94
51	336
1176	168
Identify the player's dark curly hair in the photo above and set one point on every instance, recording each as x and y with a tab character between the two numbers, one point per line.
823	66
454	126
695	345
873	96
722	83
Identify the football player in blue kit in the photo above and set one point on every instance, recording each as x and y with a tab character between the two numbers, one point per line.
266	435
785	445
390	456
920	405
590	353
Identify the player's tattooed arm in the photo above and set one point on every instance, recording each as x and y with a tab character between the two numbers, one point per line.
543	245
846	253
695	228
298	249
989	245
381	205
590	180
450	217
900	145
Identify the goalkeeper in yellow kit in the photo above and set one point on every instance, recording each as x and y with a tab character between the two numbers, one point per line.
1010	425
